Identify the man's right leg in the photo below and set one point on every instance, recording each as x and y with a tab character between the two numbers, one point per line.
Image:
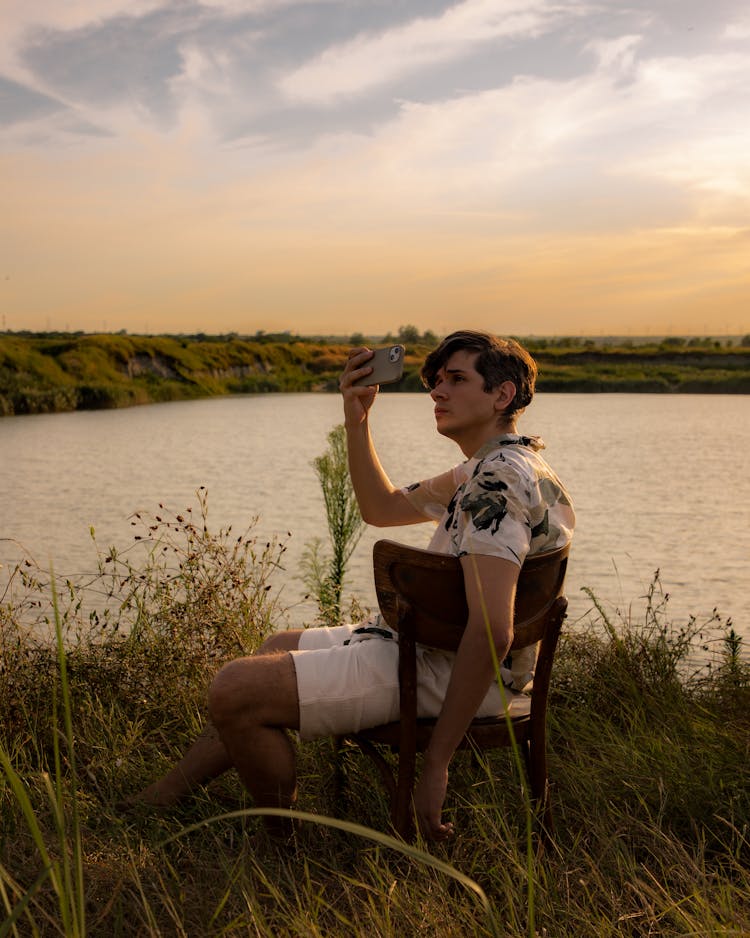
207	758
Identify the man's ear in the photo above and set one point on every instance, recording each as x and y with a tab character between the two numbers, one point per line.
505	394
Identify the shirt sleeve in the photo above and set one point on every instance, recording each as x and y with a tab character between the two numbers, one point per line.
495	510
432	496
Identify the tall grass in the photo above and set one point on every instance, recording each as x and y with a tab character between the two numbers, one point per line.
324	568
649	764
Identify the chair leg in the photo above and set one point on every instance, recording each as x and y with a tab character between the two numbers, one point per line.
380	763
537	765
401	803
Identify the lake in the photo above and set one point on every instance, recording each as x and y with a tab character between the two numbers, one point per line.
658	481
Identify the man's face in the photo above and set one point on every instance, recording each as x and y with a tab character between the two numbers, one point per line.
464	411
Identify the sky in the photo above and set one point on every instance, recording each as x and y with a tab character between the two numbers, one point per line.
528	167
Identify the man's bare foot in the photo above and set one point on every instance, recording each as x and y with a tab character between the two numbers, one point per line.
156	795
159	796
206	759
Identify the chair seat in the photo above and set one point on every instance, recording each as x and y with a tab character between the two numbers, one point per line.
484	732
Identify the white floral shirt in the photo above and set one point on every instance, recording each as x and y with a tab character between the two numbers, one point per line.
504	502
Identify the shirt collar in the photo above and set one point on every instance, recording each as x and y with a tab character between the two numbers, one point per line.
509	439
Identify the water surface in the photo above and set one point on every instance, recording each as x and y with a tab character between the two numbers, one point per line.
658	481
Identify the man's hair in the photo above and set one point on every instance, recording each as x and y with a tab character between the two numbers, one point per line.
498	360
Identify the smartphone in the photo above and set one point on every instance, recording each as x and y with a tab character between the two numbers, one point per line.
387	367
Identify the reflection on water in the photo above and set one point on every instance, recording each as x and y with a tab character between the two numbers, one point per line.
657	481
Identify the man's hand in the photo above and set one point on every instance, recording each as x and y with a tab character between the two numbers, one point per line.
429	795
357	400
380	502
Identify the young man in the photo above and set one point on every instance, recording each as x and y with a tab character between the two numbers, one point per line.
501	504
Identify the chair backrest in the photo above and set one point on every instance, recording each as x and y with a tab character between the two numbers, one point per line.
432	585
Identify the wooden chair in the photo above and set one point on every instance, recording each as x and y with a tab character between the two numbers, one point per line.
421	594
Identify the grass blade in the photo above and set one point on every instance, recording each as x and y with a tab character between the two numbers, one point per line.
349	827
14	914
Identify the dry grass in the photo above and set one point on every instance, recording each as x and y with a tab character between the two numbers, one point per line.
649	757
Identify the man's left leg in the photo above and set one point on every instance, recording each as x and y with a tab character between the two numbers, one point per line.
253	702
207	757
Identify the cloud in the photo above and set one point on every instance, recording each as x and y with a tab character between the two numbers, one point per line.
700	146
46	24
368	61
109	62
493	144
635	140
21	19
18	102
739	29
244	7
616	54
19	15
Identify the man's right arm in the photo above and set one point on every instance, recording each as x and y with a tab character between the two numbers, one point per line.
380	502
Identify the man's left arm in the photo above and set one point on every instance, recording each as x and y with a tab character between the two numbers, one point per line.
490	584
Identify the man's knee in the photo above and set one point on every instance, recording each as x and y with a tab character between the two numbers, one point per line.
262	689
281	641
231	691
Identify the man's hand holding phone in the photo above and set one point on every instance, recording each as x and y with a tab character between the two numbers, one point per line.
387	367
364	372
357	398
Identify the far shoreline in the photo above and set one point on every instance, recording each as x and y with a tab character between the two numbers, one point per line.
64	372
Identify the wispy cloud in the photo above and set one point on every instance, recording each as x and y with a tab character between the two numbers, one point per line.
739	29
28	30
632	135
369	61
22	20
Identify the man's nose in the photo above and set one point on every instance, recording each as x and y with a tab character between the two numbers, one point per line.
438	391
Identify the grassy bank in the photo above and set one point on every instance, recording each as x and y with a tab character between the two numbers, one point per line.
56	373
649	758
59	372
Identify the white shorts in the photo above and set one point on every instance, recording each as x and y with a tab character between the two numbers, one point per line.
347	680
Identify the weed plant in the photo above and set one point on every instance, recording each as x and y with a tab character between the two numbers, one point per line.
324	568
648	758
141	638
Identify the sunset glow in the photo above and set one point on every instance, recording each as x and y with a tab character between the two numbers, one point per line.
527	166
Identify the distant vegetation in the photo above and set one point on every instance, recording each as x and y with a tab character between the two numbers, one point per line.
48	372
